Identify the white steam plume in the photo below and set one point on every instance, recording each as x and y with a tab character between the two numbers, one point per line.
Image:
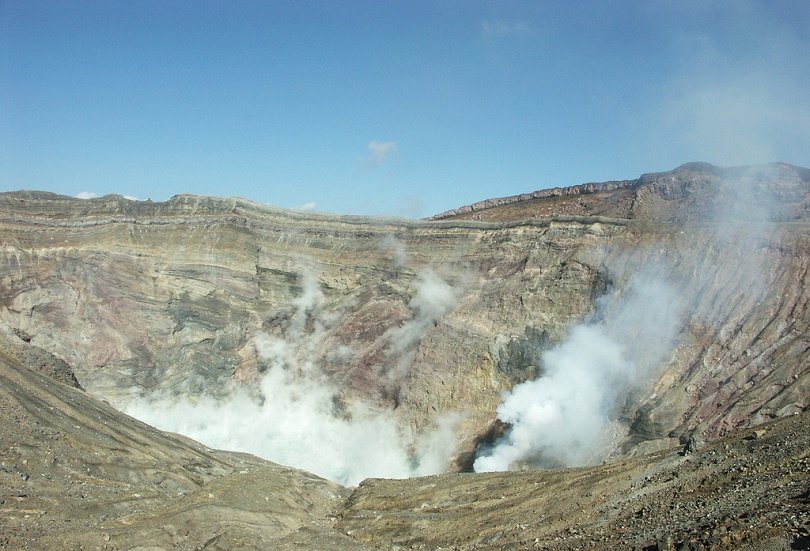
563	418
721	104
397	249
296	417
305	304
433	299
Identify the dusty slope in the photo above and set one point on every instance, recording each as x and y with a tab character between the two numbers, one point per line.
76	474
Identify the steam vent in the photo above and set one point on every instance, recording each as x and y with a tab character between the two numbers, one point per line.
617	365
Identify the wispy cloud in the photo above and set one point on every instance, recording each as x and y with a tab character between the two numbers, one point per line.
94	195
433	298
730	108
498	28
737	118
307	207
412	206
381	150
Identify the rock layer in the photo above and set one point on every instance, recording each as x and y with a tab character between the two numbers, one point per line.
691	192
418	318
141	296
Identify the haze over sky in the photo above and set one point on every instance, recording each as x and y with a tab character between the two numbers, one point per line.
392	108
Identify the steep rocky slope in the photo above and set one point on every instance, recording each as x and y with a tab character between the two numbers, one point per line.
749	491
421	319
77	474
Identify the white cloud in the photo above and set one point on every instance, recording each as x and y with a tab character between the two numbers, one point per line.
380	150
498	28
412	206
307	207
94	195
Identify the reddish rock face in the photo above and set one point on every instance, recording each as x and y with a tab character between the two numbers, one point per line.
171	296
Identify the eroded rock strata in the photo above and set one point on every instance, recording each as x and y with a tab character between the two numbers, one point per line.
138	296
419	319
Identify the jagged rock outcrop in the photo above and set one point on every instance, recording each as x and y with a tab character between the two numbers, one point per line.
141	296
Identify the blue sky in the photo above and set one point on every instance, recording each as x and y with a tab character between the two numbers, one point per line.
392	108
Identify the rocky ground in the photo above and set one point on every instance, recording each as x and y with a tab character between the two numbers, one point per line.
746	491
77	474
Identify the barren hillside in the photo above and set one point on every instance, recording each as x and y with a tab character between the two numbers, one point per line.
561	329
